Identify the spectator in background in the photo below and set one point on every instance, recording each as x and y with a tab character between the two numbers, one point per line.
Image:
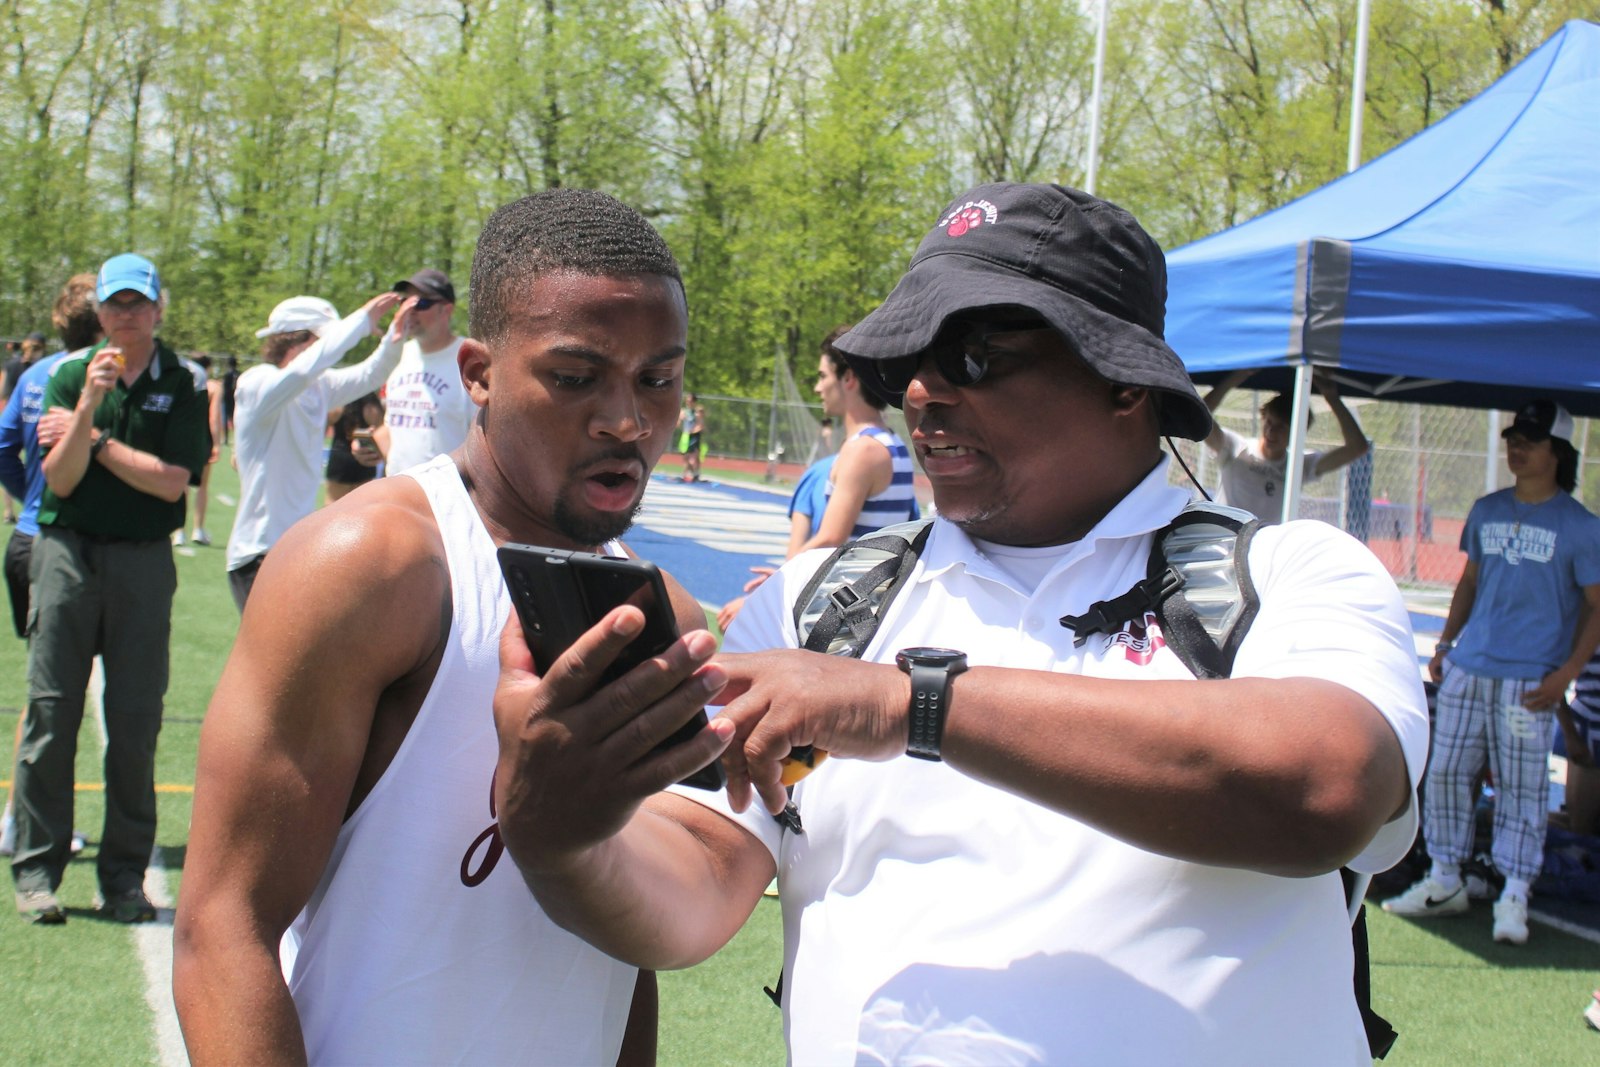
230	383
78	325
283	405
27	354
1522	625
691	439
353	451
133	431
867	485
200	367
428	410
1580	725
1253	472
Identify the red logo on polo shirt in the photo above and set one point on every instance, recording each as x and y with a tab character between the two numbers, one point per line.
1140	639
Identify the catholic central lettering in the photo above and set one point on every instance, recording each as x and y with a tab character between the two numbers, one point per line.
1516	542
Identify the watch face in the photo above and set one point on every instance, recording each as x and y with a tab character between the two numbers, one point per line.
906	658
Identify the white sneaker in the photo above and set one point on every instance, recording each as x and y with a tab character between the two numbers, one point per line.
200	536
177	539
8	834
1511	920
1428	899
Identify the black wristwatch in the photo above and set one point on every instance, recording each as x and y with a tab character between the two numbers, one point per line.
931	670
98	444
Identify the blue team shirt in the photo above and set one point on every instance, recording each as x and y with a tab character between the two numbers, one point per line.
20	470
811	494
1533	562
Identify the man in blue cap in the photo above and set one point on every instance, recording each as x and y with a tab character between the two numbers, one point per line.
131	432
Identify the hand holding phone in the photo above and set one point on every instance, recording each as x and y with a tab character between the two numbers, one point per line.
559	595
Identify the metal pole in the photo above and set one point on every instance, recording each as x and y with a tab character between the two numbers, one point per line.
1294	457
1491	451
1094	99
1358	88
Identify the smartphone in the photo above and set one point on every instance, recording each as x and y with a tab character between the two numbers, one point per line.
559	595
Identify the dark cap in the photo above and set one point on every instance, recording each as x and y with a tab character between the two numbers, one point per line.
36	337
1082	264
429	283
1539	419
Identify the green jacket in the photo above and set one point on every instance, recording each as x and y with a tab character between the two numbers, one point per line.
163	413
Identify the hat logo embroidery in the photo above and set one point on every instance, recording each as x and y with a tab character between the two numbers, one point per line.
969	216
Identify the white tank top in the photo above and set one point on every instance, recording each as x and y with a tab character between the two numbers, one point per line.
421	943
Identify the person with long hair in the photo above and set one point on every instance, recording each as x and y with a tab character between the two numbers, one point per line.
1523	623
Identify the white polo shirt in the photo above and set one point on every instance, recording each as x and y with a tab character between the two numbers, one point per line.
930	918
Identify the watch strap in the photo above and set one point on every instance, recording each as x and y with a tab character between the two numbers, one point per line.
930	700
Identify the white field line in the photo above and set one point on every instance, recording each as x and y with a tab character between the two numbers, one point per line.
153	941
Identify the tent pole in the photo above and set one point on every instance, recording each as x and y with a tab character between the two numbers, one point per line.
1358	87
1093	170
1294	456
1491	451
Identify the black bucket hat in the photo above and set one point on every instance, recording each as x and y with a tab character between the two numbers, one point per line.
1082	264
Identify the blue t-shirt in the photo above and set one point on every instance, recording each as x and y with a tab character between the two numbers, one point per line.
1533	562
811	494
20	470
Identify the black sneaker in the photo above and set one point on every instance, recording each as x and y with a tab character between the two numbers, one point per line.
40	906
129	906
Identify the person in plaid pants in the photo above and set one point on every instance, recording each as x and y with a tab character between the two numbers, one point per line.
1510	647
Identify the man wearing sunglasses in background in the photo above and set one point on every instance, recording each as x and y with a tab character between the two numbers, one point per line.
1027	847
429	411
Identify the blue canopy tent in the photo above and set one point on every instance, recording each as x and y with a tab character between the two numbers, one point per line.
1462	267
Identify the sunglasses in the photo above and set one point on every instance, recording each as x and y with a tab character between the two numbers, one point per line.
423	304
962	353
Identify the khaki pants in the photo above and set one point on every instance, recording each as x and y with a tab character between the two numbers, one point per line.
92	597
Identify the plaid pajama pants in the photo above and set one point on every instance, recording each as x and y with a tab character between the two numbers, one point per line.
1482	720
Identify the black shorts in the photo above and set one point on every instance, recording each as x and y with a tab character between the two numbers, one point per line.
346	470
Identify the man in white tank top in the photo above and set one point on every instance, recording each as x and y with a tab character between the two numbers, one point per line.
349	777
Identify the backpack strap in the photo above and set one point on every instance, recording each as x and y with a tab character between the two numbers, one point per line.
839	609
1203	557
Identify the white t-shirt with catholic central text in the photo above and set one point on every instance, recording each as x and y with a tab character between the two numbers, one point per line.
426	406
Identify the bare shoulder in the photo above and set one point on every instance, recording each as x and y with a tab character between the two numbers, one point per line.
356	573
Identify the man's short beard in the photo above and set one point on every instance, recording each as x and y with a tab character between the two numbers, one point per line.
595	531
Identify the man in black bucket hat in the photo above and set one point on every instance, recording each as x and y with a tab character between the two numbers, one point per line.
1028	846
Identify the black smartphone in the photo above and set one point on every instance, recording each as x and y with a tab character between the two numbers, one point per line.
559	595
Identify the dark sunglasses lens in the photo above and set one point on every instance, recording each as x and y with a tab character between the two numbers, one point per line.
963	366
425	304
894	375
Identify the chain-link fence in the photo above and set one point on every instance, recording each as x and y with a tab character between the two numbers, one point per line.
1409	497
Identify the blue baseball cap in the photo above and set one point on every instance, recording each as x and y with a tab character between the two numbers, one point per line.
128	271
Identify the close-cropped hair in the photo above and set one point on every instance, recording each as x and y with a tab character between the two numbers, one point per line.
76	313
581	231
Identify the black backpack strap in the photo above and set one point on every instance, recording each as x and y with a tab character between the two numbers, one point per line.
1203	556
852	589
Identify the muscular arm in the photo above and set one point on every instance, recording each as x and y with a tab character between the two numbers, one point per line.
281	755
863	468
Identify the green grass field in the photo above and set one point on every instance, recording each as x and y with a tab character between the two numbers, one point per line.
75	994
